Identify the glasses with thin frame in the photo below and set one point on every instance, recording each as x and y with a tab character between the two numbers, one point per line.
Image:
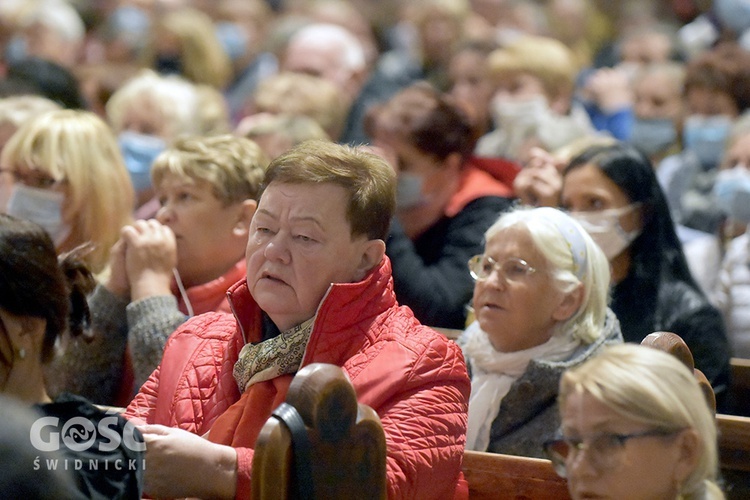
511	269
32	178
603	451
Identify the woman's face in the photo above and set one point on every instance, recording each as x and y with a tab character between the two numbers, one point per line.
37	196
300	243
738	153
517	314
710	102
209	233
588	189
470	83
645	467
658	96
425	183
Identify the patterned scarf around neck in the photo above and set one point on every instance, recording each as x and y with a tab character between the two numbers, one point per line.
274	357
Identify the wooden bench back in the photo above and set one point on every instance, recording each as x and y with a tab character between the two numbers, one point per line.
347	442
498	477
673	344
733	431
739	388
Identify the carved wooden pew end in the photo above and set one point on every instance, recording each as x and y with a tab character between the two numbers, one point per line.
347	452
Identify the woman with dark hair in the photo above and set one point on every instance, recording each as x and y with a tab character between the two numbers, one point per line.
42	301
445	200
612	190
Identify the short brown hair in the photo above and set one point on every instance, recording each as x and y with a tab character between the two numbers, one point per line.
233	166
725	68
429	119
370	181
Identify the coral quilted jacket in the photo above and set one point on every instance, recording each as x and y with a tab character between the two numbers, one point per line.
414	378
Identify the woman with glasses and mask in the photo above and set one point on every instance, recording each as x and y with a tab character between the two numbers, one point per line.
540	301
63	170
613	192
635	424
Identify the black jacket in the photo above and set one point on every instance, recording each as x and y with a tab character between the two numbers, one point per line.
682	309
431	275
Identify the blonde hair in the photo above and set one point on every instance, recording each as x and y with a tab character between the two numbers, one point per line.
287	130
542	57
455	10
654	388
300	94
233	166
16	110
174	98
549	238
204	60
79	147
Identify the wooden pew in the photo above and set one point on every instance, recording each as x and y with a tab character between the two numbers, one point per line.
343	455
733	431
451	333
500	477
739	389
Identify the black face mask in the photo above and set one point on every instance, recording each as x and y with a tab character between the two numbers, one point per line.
168	64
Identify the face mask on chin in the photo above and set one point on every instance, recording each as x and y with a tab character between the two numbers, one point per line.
41	206
606	230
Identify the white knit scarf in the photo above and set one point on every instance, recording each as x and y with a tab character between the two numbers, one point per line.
494	372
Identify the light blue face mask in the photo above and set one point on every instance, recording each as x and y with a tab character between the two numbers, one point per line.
653	136
41	206
706	136
732	191
409	190
233	38
733	14
139	152
15	49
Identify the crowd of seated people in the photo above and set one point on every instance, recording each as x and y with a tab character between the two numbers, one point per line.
249	187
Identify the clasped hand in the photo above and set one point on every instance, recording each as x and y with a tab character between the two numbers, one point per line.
142	260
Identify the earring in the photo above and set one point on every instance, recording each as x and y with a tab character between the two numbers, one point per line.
22	353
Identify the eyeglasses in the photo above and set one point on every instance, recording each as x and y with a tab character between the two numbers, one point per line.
511	269
32	178
604	451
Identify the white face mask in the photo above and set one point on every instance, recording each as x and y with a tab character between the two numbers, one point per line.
518	114
605	229
41	206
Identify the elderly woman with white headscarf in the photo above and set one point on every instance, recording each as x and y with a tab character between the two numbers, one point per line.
540	302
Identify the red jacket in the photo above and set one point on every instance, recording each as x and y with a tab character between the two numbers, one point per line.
414	378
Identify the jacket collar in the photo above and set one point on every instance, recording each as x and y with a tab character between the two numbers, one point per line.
343	306
210	296
478	181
